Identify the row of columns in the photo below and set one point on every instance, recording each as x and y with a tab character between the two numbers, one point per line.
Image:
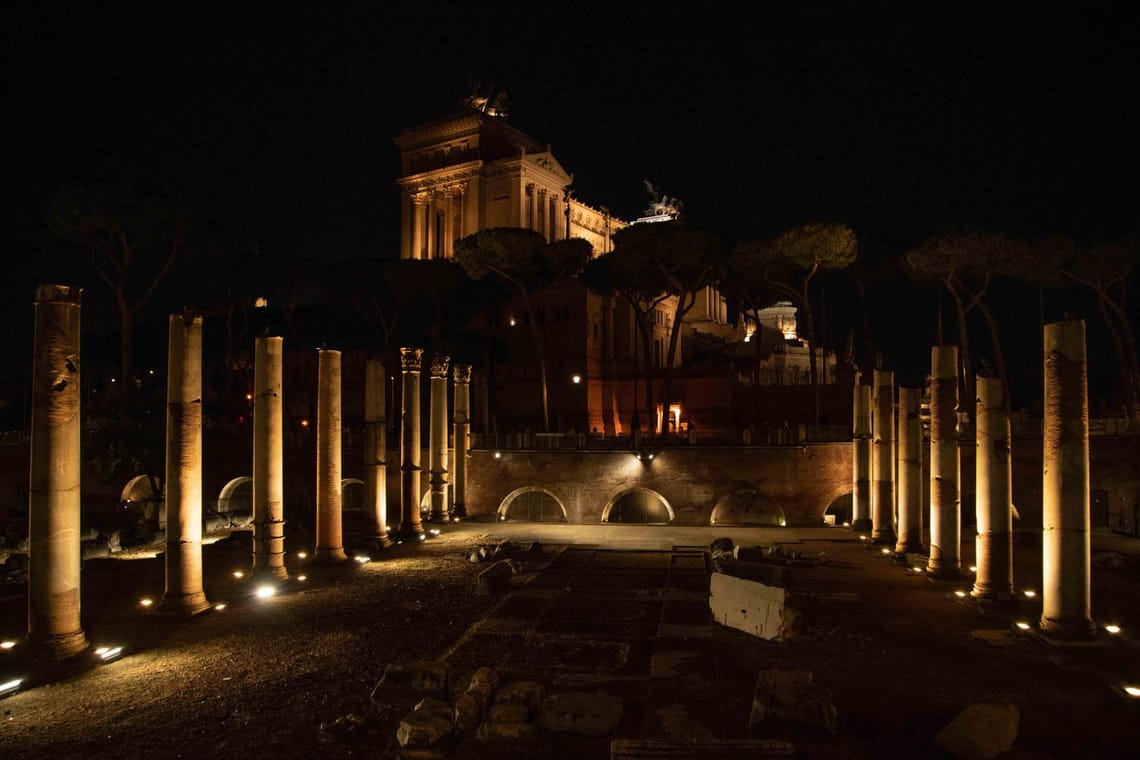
878	469
55	631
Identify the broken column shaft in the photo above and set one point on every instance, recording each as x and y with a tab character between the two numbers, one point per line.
437	439
945	523
184	594
376	452
910	472
1066	597
461	416
993	495
268	460
330	540
54	630
861	494
410	527
883	460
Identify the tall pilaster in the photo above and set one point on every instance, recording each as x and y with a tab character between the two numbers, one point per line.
268	460
411	360
419	224
994	495
376	451
532	207
184	593
861	446
910	472
330	539
54	630
945	522
883	460
462	427
1066	595
437	439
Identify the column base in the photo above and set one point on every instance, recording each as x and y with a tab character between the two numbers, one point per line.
861	526
910	544
993	594
329	556
459	511
270	573
57	648
184	605
883	537
1067	629
411	534
377	542
943	571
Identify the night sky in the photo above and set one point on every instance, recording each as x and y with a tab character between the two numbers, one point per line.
275	124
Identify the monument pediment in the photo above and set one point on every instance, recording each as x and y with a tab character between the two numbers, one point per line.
548	163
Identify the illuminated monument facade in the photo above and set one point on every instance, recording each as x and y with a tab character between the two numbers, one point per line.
471	171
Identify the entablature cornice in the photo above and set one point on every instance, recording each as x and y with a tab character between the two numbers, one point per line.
440	178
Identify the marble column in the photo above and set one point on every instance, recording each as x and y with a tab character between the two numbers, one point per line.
411	360
461	419
330	540
994	495
861	494
184	593
376	452
883	460
910	472
419	224
54	630
945	522
1066	596
532	199
437	439
268	461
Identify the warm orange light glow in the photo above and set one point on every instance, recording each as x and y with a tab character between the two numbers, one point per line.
146	602
239	574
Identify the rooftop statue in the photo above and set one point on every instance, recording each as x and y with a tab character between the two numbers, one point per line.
493	104
662	205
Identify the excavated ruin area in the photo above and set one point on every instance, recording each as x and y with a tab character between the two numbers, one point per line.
897	653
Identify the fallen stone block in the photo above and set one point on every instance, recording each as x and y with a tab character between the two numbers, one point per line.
753	607
427	731
665	749
786	698
982	730
576	712
529	694
490	731
496	579
411	680
511	712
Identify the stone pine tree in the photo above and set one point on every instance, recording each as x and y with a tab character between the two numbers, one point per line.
135	240
530	266
790	262
685	260
966	264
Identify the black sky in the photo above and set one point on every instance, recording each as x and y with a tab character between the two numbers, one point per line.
276	122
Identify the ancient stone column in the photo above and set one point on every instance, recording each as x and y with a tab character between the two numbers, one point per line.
461	417
330	540
410	528
883	460
419	224
54	631
910	472
268	461
994	495
1065	598
184	594
861	494
437	439
945	523
376	452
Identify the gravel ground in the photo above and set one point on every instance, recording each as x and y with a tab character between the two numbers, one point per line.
258	678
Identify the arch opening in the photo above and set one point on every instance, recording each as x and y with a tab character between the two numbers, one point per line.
640	506
746	505
532	505
839	511
236	496
352	495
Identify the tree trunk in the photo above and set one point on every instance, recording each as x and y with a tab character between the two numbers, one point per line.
126	346
967	368
1128	391
647	349
812	369
541	354
999	354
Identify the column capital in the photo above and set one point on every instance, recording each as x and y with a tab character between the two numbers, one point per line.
421	198
439	364
411	359
462	373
